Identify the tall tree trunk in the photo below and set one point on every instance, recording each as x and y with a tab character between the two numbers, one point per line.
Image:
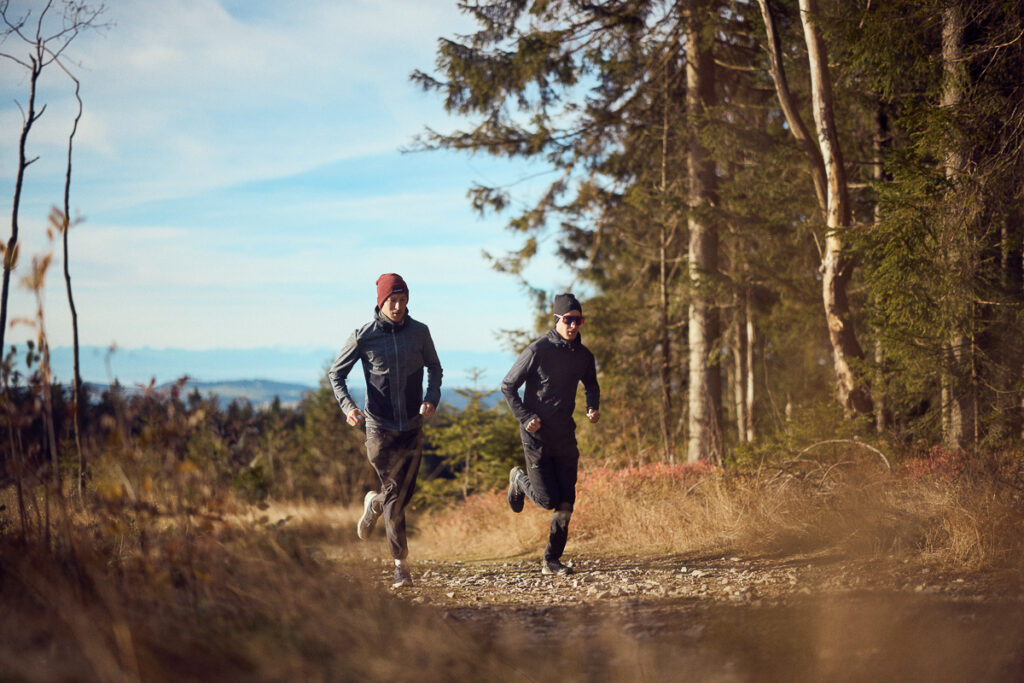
829	177
751	355
740	371
836	268
665	239
705	397
789	108
881	142
665	360
958	409
1010	344
1016	278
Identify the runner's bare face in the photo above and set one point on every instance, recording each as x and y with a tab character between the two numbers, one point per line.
395	306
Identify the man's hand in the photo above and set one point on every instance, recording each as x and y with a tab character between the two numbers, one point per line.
355	417
427	409
593	415
533	425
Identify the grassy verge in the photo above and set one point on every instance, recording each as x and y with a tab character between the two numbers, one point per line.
950	511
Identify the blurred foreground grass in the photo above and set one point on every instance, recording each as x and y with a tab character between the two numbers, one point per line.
164	586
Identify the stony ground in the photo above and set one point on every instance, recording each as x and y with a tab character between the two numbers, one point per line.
796	616
721	579
793	617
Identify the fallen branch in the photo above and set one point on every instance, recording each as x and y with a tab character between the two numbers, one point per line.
852	441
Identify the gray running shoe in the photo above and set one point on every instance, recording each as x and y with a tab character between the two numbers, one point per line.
515	494
554	567
402	578
369	518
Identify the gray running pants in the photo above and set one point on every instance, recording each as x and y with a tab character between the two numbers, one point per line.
395	457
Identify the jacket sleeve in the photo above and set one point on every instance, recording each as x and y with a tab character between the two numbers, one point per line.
590	386
339	370
515	378
434	371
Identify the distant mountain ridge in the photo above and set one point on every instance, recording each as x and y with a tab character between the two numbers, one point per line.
260	393
295	366
287	373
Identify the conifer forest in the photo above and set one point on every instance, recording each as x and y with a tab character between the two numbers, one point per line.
785	210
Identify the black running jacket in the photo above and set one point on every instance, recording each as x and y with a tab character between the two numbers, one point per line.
551	368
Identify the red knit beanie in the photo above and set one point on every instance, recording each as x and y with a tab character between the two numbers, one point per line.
388	284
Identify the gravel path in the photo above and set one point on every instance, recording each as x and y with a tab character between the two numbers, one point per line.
795	617
730	618
721	579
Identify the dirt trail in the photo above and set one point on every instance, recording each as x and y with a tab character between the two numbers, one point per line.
719	579
796	617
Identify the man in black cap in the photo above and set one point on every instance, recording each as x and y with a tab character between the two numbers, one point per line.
551	368
393	349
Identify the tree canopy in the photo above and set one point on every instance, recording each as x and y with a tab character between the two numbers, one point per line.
922	263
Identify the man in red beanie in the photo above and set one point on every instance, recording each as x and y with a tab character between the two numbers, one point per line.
552	367
393	350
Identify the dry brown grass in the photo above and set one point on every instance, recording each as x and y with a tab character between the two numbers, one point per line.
227	602
965	519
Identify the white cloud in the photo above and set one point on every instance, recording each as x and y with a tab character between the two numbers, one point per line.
318	84
184	98
184	85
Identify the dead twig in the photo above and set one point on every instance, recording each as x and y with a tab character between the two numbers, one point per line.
850	441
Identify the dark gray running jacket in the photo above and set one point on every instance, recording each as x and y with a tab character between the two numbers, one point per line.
393	357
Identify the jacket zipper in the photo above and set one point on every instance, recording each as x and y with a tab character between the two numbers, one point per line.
396	395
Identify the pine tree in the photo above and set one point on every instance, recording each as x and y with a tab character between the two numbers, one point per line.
943	258
474	445
605	86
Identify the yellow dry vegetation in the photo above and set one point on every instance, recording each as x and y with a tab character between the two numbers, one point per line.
971	518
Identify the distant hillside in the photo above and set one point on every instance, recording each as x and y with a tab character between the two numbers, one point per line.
305	367
258	392
261	392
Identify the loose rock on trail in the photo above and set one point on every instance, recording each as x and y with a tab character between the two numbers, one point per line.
720	579
794	617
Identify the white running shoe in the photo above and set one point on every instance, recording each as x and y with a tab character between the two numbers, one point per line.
402	577
369	518
515	494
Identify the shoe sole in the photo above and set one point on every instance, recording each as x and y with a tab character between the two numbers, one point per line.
369	520
515	503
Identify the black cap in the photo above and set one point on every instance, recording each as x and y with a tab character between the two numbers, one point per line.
567	302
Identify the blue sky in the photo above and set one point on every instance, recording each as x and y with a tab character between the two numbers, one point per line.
239	173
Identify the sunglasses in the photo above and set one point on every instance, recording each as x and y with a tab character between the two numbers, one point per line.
571	320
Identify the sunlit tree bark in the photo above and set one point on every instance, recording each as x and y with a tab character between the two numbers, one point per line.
705	390
826	164
958	408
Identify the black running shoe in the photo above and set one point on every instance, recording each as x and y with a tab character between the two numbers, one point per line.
402	578
515	494
369	518
554	567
